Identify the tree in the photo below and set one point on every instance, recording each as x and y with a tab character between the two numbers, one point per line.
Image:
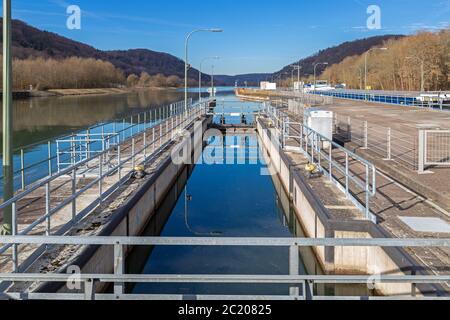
132	80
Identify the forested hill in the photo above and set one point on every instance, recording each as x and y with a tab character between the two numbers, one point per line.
337	54
32	42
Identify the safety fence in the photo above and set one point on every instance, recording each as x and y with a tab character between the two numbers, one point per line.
387	143
352	174
43	159
298	286
433	100
53	205
434	148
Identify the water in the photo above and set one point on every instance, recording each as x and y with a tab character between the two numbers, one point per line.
38	120
232	198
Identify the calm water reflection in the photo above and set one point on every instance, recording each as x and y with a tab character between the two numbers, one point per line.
40	119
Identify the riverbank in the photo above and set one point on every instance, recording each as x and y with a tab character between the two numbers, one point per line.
26	94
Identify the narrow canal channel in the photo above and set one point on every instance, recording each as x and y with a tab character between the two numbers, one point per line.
234	197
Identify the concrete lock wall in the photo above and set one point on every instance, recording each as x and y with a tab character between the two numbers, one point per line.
317	223
133	216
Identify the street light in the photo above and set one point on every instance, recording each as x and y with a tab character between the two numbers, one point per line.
298	68
8	226
365	64
200	77
186	62
422	72
315	66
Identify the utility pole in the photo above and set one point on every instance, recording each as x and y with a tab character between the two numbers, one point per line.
8	189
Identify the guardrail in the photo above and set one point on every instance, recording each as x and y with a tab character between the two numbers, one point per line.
387	143
44	153
396	98
335	161
434	148
301	287
108	164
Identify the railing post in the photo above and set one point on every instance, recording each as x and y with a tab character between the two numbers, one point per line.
89	289
119	165
294	265
367	195
74	190
145	144
153	139
133	155
119	268
347	172
389	144
15	257
49	150
47	209
22	165
100	182
422	150
366	135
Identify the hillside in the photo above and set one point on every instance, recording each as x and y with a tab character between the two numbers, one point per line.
32	42
337	54
251	78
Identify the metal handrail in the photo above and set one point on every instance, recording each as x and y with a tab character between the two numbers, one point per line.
282	124
293	278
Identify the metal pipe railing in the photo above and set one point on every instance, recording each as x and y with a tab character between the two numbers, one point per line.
99	160
314	146
296	281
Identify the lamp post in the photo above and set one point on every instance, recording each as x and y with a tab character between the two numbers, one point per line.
186	62
422	72
315	66
365	64
8	188
298	68
200	77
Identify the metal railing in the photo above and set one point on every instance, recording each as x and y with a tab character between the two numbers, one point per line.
115	164
44	153
387	143
390	97
434	148
352	174
301	287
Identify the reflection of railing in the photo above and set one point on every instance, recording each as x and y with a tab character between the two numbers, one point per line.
349	172
58	194
44	154
301	287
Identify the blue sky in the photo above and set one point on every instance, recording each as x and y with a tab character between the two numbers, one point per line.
260	35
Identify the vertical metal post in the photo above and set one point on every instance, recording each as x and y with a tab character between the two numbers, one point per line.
145	145
133	156
330	160
119	268
347	172
366	135
22	167
74	190
389	144
8	170
294	264
15	257
367	193
100	182
119	165
422	152
153	139
49	149
47	209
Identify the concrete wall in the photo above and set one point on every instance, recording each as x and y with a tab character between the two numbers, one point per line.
317	223
132	218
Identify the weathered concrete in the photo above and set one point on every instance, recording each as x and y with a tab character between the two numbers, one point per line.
325	213
126	214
